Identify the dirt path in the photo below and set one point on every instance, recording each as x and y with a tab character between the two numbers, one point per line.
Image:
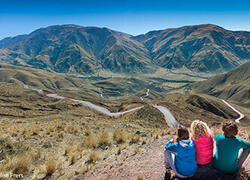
148	164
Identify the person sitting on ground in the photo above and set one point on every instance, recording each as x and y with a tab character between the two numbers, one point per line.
203	142
180	154
227	158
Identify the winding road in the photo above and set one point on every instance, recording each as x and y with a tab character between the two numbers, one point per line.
147	94
238	112
95	107
170	120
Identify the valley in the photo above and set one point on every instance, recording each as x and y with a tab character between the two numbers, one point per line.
81	101
62	137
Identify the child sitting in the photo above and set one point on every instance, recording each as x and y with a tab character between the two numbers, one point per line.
203	142
227	149
180	155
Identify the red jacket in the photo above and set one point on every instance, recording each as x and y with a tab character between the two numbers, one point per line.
203	149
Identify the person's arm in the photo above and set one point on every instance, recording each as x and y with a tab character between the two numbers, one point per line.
171	146
216	138
244	144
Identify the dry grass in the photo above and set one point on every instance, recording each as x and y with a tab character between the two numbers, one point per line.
79	149
135	139
144	141
36	154
93	157
72	130
19	121
73	158
60	135
119	150
68	136
50	167
119	137
139	177
156	136
68	150
90	142
136	150
21	164
104	139
84	169
87	132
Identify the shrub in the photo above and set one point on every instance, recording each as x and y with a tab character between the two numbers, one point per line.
10	148
143	142
72	130
139	178
156	136
50	167
90	142
135	139
87	132
104	139
119	150
119	137
73	159
21	164
93	157
84	169
68	150
136	150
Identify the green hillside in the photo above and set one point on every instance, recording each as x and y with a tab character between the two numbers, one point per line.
234	85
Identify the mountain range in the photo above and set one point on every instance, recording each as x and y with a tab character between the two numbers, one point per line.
86	50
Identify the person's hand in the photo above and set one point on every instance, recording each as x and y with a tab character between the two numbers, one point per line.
178	139
174	141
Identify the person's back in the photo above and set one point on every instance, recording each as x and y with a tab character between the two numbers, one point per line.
185	161
180	155
227	157
203	141
204	149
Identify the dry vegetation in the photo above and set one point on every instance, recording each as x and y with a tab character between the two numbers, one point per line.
27	147
48	137
43	137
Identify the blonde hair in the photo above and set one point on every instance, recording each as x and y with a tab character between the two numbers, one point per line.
198	127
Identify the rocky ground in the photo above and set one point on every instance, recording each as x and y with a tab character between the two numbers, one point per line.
147	163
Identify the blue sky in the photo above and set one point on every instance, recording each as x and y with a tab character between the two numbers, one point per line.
130	16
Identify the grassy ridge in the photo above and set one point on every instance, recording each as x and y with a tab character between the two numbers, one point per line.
234	85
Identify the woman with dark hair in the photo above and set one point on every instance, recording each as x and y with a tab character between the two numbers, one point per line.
180	154
227	158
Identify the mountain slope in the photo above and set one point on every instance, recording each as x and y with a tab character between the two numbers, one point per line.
234	85
77	49
205	48
71	48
